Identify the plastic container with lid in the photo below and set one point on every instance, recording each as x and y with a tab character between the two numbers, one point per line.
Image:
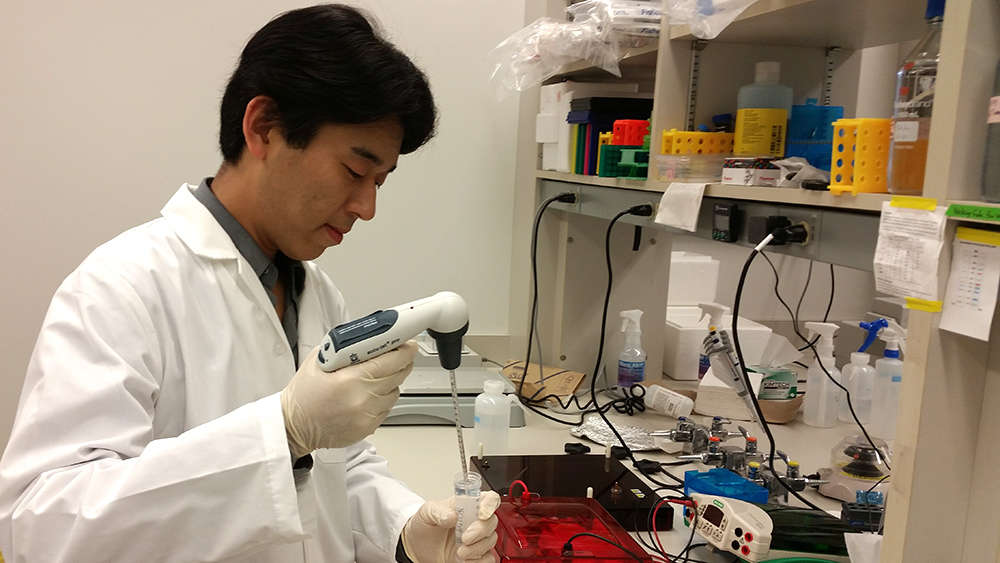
762	113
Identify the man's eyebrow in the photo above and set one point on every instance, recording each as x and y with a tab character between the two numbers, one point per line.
369	155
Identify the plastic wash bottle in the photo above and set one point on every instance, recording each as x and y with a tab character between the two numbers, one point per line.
492	418
885	396
632	360
822	395
859	378
762	113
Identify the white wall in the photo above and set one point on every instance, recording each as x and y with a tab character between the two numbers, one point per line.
108	106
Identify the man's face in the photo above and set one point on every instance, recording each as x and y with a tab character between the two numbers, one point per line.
310	198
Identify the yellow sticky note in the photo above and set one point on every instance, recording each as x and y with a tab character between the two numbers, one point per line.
923	305
978	235
911	202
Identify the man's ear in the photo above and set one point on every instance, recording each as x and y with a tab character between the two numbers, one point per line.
259	126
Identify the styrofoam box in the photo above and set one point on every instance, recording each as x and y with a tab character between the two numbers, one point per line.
685	332
693	279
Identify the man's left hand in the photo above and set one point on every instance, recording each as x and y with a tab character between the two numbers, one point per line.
429	535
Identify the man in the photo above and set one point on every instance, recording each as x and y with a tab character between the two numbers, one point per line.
173	409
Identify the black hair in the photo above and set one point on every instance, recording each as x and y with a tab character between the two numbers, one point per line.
325	64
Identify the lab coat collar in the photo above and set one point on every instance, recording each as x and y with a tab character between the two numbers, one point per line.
196	226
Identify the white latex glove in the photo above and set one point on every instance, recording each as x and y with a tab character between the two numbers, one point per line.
429	535
339	408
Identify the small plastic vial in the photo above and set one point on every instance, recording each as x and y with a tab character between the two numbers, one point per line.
467	489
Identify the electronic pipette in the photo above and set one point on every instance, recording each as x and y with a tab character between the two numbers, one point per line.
445	317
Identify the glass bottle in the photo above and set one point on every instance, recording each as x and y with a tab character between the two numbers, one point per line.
911	115
991	164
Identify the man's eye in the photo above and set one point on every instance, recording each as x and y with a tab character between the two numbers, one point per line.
353	174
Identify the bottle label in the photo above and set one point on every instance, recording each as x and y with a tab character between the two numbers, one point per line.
760	131
994	114
915	97
630	372
905	131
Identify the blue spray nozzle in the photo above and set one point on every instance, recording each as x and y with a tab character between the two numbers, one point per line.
873	329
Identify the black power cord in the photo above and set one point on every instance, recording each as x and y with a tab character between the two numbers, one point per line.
530	402
811	345
746	376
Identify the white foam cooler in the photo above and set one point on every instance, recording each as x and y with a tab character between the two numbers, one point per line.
685	332
693	280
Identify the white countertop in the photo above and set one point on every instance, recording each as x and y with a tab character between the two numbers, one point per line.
427	457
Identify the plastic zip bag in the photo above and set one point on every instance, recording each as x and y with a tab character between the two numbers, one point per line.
706	18
535	53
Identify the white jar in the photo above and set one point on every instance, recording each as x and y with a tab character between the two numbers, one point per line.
492	418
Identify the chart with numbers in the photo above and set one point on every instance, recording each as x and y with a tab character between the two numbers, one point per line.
972	284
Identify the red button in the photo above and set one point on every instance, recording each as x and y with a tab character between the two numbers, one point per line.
748	536
745	550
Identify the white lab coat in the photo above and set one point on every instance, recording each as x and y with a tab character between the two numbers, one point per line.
150	427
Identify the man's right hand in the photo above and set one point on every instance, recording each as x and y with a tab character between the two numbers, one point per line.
336	409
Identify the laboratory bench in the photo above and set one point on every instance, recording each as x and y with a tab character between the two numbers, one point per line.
426	457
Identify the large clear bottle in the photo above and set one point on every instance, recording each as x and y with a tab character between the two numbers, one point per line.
991	164
911	115
762	113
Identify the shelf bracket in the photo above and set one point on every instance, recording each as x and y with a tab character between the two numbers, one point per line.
697	46
828	75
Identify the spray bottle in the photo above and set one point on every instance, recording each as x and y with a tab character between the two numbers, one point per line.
859	378
888	379
822	395
632	360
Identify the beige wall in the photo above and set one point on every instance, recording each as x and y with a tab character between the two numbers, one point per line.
108	106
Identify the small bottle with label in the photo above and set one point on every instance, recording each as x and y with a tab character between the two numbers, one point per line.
670	403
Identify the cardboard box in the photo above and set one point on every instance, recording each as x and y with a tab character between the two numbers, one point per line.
738	176
553	381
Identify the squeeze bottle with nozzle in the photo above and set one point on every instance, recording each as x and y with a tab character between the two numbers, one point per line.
632	360
822	394
885	396
859	378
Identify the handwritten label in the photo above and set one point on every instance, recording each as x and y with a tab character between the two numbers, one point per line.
973	212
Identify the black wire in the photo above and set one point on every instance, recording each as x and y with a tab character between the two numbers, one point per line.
604	539
811	345
746	379
530	402
802	296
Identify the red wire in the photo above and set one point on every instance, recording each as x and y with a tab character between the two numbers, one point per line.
656	534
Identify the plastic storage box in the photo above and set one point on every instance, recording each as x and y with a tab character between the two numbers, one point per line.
724	483
537	531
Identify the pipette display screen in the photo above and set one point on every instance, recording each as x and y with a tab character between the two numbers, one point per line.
713	515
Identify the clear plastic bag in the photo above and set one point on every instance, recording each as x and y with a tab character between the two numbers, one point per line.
599	32
795	170
706	18
535	53
626	23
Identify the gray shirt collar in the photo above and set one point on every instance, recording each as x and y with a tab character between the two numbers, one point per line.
261	264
